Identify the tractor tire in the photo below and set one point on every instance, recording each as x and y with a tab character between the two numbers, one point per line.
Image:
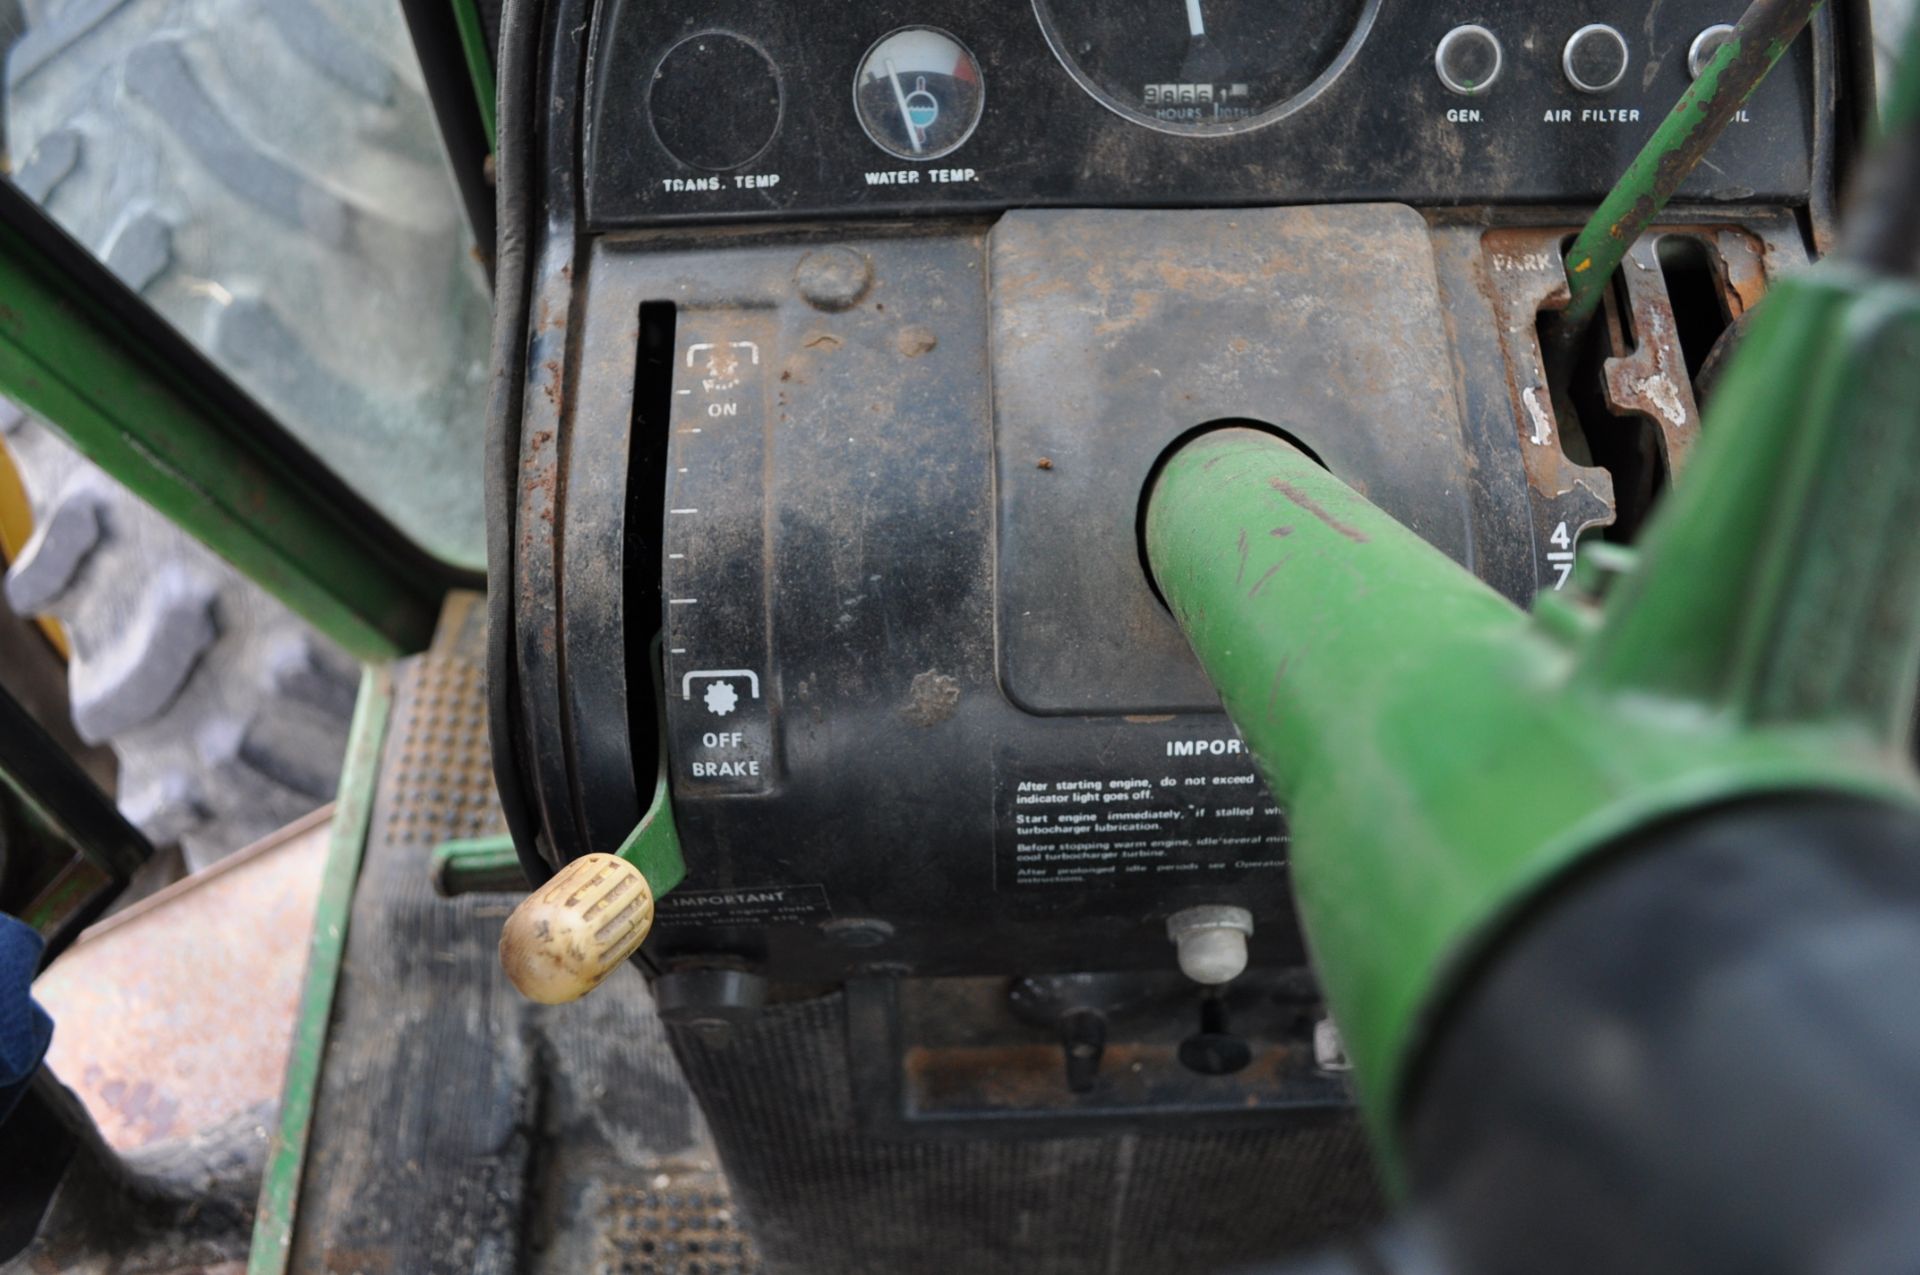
228	713
268	175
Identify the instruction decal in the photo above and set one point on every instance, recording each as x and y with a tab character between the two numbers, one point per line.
1152	803
746	905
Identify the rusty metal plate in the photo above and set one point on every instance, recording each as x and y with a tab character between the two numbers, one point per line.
1649	378
1115	333
1522	275
1525	275
176	1014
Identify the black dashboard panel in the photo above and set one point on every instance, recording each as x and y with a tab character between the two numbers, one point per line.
1384	127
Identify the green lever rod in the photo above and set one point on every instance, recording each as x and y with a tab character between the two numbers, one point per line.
1444	757
1762	35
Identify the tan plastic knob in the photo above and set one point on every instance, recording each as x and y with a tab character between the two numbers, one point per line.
572	932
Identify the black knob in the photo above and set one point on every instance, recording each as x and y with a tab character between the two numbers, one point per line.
1213	1050
715	101
1595	59
1083	1036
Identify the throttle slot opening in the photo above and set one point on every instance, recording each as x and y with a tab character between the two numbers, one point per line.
1695	275
1591	433
1698	297
643	531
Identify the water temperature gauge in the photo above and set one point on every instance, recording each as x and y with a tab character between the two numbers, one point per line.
918	93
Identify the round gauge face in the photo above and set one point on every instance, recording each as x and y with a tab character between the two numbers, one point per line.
1205	66
918	93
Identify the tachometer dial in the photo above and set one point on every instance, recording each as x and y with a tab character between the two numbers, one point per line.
1204	66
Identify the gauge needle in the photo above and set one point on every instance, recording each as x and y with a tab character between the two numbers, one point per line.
1203	62
906	116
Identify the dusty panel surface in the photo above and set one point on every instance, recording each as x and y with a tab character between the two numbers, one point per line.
1116	332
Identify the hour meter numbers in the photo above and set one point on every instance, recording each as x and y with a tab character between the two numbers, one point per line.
918	93
1204	66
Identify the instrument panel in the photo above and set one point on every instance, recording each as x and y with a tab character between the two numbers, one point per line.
730	109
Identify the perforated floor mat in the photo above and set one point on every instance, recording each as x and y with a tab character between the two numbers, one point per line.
440	779
678	1224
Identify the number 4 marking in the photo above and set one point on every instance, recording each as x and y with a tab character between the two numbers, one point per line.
1561	559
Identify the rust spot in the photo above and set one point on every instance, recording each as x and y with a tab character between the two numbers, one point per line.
1524	275
1647	376
1281	531
1026	1077
931	698
1313	507
915	340
1142	306
137	1103
1045	462
538	480
1185	278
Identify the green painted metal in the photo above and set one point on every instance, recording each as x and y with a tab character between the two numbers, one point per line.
61	805
490	863
71	894
347	839
1760	38
1783	594
69	851
67	356
1443	756
654	844
477	865
473	45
